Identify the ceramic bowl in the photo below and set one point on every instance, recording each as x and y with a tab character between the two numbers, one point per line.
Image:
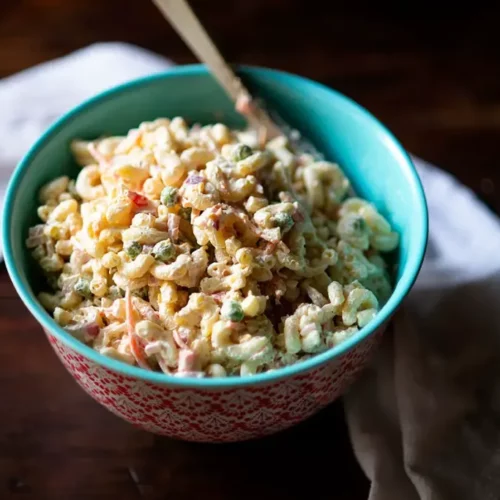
226	409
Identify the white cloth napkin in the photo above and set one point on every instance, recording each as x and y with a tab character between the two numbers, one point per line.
424	418
31	100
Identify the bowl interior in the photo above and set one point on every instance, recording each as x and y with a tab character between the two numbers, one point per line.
375	163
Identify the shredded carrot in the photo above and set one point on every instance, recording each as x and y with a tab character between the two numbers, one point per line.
135	345
179	340
138	352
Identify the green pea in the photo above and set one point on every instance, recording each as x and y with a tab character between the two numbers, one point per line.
168	196
164	251
82	286
133	249
359	225
232	311
284	221
241	151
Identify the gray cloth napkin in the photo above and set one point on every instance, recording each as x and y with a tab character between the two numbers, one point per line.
424	418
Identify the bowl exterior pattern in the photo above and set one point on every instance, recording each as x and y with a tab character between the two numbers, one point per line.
217	414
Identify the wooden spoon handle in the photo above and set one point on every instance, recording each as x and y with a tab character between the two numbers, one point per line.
187	25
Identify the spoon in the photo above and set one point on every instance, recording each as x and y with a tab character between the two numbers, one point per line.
187	25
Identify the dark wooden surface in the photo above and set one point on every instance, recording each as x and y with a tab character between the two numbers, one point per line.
432	77
57	443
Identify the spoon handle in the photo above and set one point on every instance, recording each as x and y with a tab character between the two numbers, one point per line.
187	25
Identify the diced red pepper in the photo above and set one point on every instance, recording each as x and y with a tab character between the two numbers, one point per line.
138	199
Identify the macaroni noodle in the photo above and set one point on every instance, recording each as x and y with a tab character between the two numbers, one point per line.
198	253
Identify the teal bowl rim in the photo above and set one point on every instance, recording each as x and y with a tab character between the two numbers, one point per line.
405	283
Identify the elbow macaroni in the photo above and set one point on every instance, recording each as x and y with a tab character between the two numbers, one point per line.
205	235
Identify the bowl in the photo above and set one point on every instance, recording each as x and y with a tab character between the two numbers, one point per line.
235	408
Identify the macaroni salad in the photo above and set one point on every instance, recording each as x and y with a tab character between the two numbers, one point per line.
197	252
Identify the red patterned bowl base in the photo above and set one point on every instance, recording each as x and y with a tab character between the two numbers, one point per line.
217	415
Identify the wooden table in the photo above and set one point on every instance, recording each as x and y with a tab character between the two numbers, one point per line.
432	78
57	443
